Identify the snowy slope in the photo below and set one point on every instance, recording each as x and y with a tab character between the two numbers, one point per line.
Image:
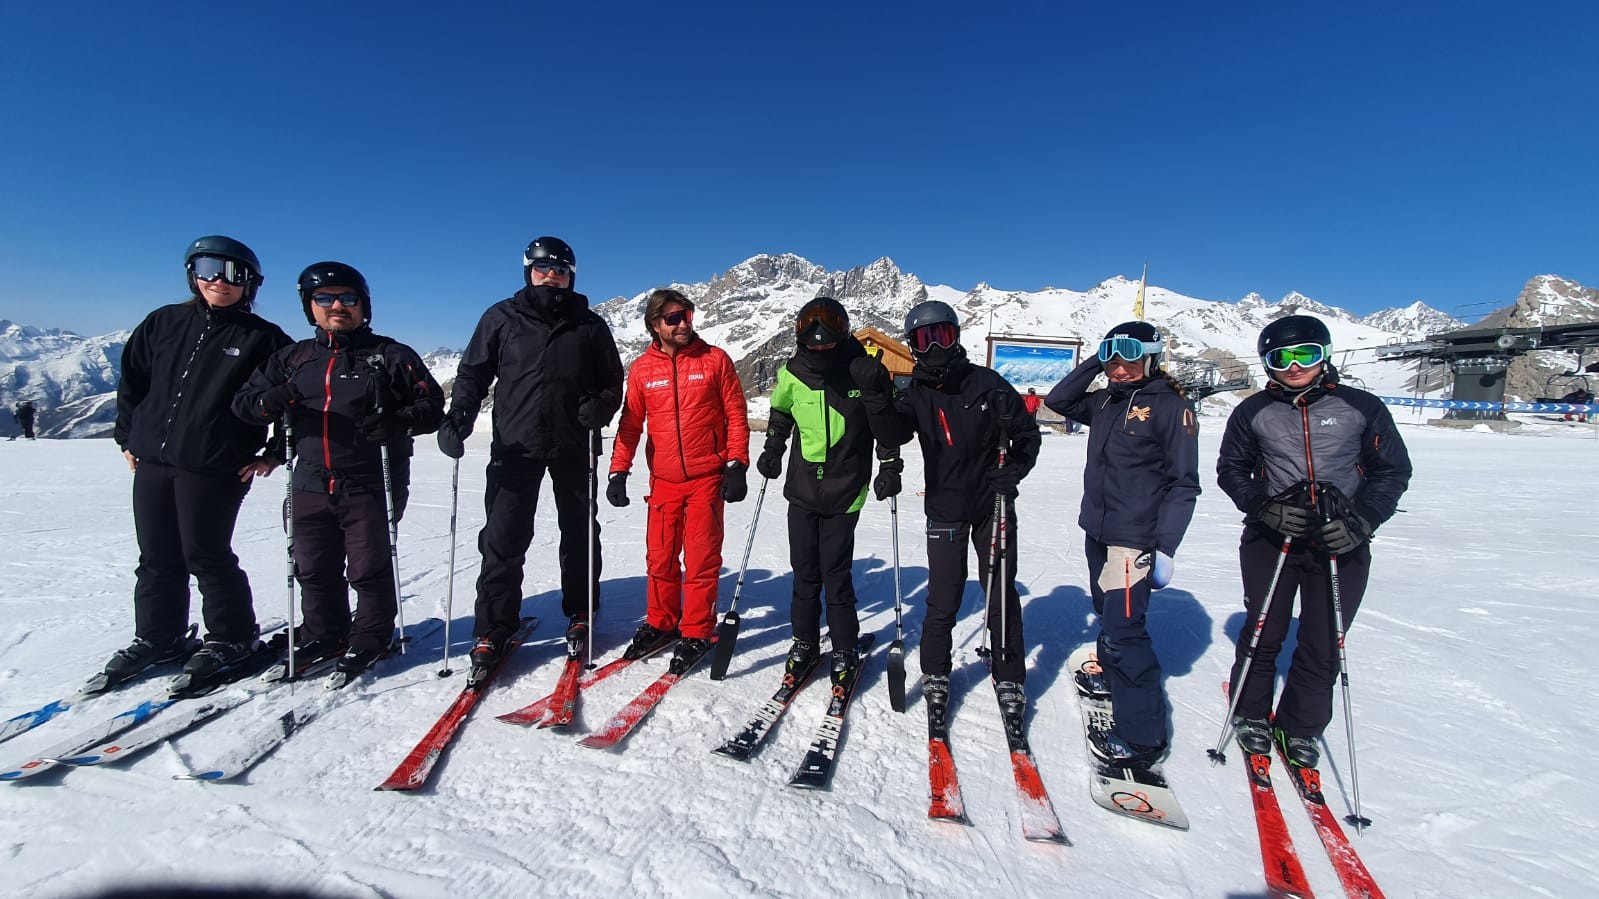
1474	651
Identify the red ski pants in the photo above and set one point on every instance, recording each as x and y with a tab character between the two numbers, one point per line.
685	520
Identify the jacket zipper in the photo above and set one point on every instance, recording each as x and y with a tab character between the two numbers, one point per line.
327	403
677	419
172	410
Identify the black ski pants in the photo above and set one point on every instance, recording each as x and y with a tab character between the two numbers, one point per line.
1306	704
27	426
184	524
1126	654
946	583
821	550
341	541
511	499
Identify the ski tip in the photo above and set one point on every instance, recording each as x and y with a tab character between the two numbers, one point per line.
1056	837
202	776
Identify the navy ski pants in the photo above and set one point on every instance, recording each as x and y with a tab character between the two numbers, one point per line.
1120	589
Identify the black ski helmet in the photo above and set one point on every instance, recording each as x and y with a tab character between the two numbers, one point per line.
225	248
931	312
1154	342
552	249
1292	330
936	360
820	322
333	274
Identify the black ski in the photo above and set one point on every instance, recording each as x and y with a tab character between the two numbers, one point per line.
816	770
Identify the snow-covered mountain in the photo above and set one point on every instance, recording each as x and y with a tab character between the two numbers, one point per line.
1548	300
748	310
71	379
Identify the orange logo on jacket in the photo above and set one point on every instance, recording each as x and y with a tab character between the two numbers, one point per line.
1139	412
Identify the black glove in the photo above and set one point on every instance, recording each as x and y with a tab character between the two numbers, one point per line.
1004	479
867	373
1285	517
1344	534
734	484
887	483
275	401
616	490
381	427
589	412
457	426
770	464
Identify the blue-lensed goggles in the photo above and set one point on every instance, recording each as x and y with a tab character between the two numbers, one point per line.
1130	348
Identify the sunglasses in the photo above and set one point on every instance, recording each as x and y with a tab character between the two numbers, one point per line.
544	266
941	334
326	300
678	316
215	268
1303	355
1130	348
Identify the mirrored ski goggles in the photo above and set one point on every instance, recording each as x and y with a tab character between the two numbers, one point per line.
1130	348
215	268
545	266
1303	355
677	317
941	334
326	300
825	316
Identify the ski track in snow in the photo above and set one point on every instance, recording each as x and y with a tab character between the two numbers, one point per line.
1469	665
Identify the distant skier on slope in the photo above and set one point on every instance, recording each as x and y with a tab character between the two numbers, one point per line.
1139	489
1320	465
685	395
24	413
333	385
557	381
817	406
963	413
192	461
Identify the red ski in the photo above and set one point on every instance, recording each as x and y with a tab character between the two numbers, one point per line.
413	772
947	804
1357	881
542	710
1285	876
631	714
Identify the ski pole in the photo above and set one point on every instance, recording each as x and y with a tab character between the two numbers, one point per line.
1357	819
896	652
449	590
376	362
288	523
1217	755
727	631
993	557
594	512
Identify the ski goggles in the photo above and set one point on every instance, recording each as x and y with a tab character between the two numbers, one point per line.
215	268
545	266
826	316
1130	348
326	300
678	316
940	334
1303	355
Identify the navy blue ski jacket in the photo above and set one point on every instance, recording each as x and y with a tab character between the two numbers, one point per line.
1142	476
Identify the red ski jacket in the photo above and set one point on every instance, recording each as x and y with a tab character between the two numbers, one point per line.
693	406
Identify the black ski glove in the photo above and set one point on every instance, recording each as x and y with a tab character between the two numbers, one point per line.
589	414
381	427
867	373
616	490
887	483
457	426
275	401
770	464
734	484
1343	535
1286	518
1004	479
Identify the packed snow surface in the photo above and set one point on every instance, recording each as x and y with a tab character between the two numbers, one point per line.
1471	666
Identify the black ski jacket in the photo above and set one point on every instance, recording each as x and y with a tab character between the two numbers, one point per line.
817	404
1141	480
551	356
180	370
1330	433
959	420
335	374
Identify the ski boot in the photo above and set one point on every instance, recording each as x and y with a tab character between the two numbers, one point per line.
688	653
802	657
141	654
1253	735
843	667
935	692
577	636
1113	750
1013	712
1300	751
648	640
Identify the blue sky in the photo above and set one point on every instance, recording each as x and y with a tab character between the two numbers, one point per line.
1364	155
